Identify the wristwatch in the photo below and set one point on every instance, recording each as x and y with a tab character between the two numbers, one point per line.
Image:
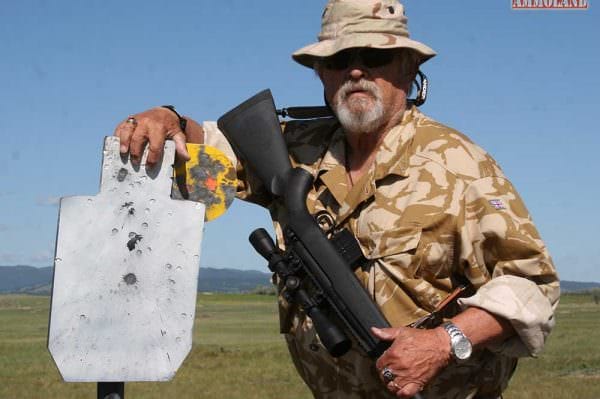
460	346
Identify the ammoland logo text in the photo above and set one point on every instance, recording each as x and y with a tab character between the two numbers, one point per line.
550	4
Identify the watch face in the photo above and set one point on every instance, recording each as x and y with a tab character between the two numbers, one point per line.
462	348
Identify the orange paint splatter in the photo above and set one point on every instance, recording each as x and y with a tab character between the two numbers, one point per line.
210	183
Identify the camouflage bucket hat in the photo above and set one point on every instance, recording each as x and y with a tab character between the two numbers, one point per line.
361	23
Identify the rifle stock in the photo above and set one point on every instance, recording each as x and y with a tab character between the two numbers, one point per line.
252	128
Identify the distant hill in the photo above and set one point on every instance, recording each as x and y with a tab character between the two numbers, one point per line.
231	280
33	280
574	286
15	278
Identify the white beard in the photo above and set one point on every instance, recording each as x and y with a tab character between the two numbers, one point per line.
359	115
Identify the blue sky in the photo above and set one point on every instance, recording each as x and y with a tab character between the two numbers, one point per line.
523	84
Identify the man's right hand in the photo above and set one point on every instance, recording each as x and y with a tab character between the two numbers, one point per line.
152	128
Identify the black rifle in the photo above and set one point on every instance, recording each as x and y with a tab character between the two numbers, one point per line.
314	272
317	274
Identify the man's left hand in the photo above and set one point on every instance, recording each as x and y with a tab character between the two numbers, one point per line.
414	358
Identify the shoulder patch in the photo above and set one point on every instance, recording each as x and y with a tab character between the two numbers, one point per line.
497	204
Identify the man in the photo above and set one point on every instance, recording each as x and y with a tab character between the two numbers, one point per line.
430	210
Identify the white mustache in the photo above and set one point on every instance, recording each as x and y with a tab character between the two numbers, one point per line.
362	85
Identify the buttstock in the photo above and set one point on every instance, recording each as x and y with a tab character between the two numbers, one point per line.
253	130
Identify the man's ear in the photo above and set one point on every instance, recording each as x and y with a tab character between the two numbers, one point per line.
318	68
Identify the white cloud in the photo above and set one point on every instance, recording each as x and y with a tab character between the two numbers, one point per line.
7	258
44	256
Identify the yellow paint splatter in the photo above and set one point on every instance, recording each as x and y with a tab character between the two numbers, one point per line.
208	177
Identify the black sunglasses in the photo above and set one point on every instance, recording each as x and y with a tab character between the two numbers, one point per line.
369	57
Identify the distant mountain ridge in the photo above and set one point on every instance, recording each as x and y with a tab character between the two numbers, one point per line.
34	280
16	278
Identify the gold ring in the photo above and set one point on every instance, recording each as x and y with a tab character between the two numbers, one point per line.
131	119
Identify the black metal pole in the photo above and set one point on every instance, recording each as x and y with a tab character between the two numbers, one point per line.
111	390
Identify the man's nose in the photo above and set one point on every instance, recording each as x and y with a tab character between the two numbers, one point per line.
356	72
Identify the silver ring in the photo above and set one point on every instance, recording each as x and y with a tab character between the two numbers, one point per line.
387	375
131	119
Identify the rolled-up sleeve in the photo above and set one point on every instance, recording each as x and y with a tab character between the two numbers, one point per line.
504	257
215	138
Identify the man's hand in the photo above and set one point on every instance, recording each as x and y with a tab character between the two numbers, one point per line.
151	127
414	358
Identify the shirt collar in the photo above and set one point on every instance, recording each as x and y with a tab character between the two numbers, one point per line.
393	153
391	158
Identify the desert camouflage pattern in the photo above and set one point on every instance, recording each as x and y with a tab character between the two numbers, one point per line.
433	211
361	23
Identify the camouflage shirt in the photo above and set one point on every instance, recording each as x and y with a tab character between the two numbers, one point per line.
433	211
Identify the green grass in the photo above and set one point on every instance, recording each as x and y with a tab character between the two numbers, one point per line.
569	367
238	353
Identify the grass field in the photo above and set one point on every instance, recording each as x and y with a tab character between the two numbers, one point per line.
238	353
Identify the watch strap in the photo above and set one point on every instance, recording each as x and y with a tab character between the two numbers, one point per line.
182	120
